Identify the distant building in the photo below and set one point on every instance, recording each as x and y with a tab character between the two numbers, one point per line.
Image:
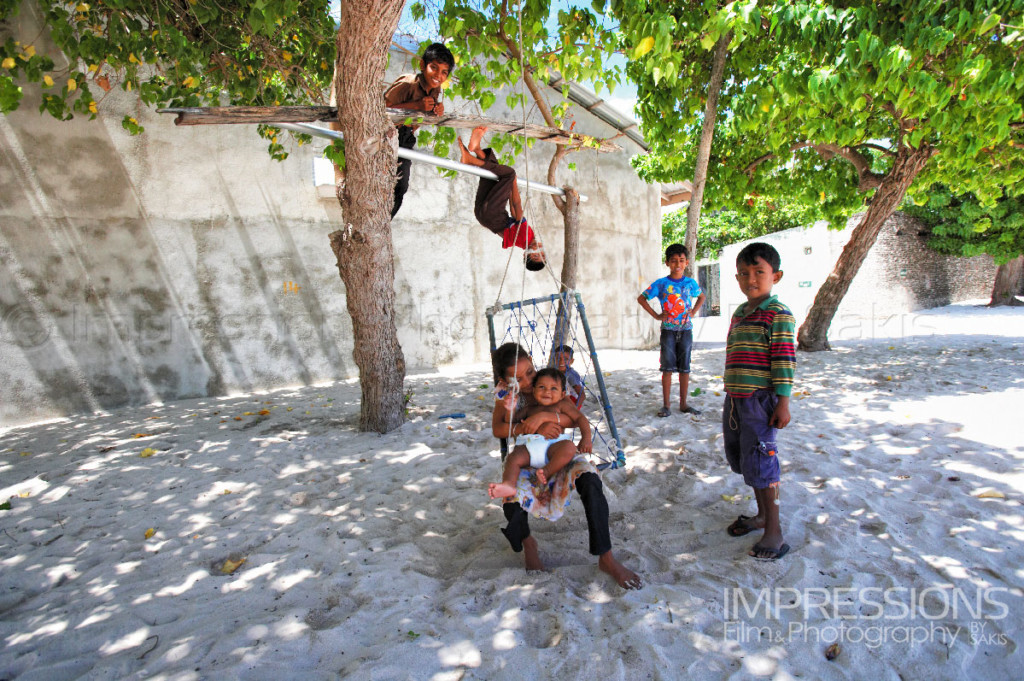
900	275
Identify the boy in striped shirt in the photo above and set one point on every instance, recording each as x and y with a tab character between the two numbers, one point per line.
760	359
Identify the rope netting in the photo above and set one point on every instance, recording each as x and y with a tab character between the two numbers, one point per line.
541	326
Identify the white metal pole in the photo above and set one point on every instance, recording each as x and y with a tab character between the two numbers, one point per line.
422	157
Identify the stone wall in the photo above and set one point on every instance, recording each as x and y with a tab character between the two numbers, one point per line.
185	262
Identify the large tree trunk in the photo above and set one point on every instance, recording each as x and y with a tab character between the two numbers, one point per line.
707	133
363	245
813	333
1009	282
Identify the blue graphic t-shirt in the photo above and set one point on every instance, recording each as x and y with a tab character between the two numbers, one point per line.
677	297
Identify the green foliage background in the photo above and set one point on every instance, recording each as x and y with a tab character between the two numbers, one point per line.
173	53
962	225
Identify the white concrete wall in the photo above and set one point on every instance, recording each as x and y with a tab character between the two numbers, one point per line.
899	276
185	263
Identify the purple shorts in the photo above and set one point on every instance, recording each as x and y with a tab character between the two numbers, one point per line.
750	444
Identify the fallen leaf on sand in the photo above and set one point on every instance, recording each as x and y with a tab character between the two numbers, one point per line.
147	452
150	532
138	435
26	454
230	566
239	418
832	652
248	413
227	491
264	412
732	497
991	494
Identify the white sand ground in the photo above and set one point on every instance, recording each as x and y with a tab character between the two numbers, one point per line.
379	557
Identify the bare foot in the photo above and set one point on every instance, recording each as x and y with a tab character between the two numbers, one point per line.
499	490
625	577
531	555
475	137
542	477
464	152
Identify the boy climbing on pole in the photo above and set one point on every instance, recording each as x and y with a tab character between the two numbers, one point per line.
492	197
418	92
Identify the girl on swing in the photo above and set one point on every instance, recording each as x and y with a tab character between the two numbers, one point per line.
492	197
511	361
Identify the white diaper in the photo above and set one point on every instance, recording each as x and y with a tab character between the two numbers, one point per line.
537	445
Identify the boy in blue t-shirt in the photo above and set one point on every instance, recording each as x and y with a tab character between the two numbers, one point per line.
680	298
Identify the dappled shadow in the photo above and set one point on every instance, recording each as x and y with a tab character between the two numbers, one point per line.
370	554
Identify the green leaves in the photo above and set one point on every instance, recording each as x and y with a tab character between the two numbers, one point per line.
259	52
962	225
804	80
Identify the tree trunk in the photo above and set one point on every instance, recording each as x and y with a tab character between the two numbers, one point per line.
363	246
813	333
707	133
570	207
1009	282
571	222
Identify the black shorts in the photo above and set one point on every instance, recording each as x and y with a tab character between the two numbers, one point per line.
675	350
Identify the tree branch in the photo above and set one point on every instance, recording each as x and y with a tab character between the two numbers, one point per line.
872	145
866	178
531	84
556	159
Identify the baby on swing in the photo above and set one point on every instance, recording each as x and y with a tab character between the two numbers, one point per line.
513	366
533	450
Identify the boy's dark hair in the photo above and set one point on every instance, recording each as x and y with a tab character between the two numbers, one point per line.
564	348
438	52
676	249
534	265
759	249
505	358
551	372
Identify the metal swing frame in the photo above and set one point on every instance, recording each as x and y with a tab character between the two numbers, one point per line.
567	299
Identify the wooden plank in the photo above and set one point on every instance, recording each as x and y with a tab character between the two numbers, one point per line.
242	115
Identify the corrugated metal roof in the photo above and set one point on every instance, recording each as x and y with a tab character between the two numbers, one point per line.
603	110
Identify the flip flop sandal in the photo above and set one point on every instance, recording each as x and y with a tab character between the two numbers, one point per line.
664	411
770	554
740	527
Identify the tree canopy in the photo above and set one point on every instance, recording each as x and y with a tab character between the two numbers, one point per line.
833	104
177	53
819	96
